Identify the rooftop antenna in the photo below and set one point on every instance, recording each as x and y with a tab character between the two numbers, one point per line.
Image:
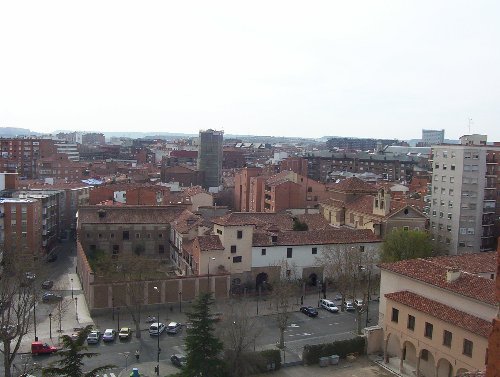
470	122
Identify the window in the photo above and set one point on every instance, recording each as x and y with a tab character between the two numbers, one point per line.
160	235
450	203
452	167
447	338
315	250
263	252
99	235
395	315
137	235
443	178
233	249
237	259
452	179
289	252
125	235
116	249
428	330
411	322
239	234
449	216
161	249
406	228
111	235
467	347
219	231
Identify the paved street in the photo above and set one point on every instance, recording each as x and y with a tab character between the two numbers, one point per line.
303	330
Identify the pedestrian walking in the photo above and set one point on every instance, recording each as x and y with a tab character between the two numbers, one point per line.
137	354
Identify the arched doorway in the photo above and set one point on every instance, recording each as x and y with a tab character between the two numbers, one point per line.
261	281
444	368
409	354
461	371
392	347
313	280
427	363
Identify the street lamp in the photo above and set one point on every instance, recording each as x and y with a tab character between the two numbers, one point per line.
319	295
180	302
50	325
208	274
34	320
118	317
113	308
368	296
76	307
125	355
71	287
158	335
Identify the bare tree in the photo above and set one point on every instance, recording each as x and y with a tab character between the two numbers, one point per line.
239	332
284	289
342	263
61	309
18	292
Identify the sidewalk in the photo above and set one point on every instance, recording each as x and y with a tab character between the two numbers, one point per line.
148	369
71	319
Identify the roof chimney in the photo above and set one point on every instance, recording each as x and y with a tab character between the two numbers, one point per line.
452	274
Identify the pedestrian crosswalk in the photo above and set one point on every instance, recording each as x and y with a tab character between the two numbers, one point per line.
106	375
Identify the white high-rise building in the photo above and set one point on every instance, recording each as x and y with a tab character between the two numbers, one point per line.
464	194
432	137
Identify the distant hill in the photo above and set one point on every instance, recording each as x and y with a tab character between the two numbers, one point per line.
13	132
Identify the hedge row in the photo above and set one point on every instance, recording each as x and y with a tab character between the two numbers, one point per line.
312	353
268	357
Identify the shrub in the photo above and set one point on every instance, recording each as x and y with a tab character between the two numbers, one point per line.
312	353
268	357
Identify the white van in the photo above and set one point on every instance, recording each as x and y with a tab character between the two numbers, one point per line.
329	305
156	328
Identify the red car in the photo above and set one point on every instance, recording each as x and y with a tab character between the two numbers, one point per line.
39	348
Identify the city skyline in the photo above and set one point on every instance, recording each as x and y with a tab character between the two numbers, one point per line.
365	69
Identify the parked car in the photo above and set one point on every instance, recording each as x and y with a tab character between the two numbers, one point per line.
309	310
29	277
47	284
349	306
94	337
329	305
51	297
156	328
125	333
173	327
109	335
358	302
178	360
39	348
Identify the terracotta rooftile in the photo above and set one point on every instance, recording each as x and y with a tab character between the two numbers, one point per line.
129	214
209	242
426	270
443	312
475	263
354	185
316	237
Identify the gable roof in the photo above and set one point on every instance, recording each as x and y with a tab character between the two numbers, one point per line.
315	237
354	184
141	214
209	242
434	273
443	312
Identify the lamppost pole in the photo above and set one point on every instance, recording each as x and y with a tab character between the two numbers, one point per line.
368	296
34	320
118	317
71	287
180	302
319	294
113	308
208	274
158	335
76	307
50	325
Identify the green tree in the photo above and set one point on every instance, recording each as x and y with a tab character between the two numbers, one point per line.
70	363
403	244
204	349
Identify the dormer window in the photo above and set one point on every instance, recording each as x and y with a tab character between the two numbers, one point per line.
274	239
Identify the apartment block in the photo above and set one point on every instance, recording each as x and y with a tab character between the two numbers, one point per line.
21	154
464	213
432	137
210	157
21	226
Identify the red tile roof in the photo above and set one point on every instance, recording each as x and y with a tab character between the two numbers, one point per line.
209	242
427	271
186	221
474	263
354	185
129	214
316	237
443	312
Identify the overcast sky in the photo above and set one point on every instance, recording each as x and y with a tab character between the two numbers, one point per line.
309	68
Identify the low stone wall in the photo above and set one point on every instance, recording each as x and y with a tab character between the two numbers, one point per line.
102	296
